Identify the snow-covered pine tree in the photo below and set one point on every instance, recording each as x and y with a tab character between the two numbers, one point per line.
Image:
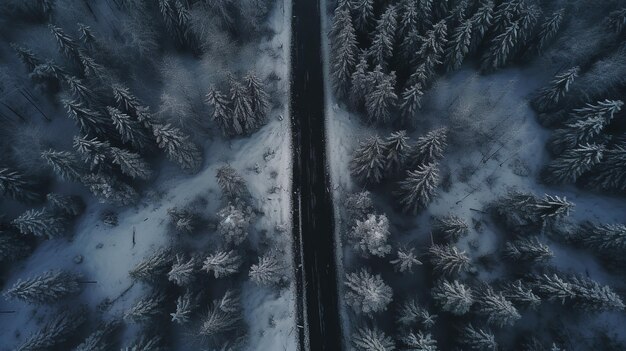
617	20
428	148
603	237
184	221
367	293
409	17
12	248
432	47
573	163
553	287
592	297
69	206
183	270
368	162
370	236
411	102
458	46
89	121
458	14
419	342
426	15
67	45
528	18
418	189
146	308
223	316
233	225
552	207
408	43
28	58
186	304
549	97
451	227
154	267
146	343
64	163
605	109
93	151
130	163
49	287
481	22
478	339
222	115
109	189
345	5
405	260
231	183
411	313
129	104
496	308
381	98
359	86
363	14
259	98
611	173
344	51
91	68
501	48
520	295
372	339
243	110
130	130
576	133
505	14
177	146
358	205
86	35
102	339
57	330
222	263
270	271
448	260
15	185
81	92
528	249
549	29
40	223
395	150
178	23
453	296
383	37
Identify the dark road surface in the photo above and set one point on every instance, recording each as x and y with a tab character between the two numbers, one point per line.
318	314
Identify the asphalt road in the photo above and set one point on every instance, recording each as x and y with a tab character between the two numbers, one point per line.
318	313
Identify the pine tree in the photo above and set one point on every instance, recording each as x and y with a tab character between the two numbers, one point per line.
243	111
259	98
222	263
408	43
222	115
40	223
131	130
611	173
576	133
448	260
102	339
453	297
127	102
86	35
593	297
478	339
177	21
48	75
154	267
528	249
145	343
420	342
183	220
428	148
67	45
502	48
426	14
68	206
506	13
405	261
91	68
617	21
48	287
552	287
58	330
177	146
604	237
372	339
432	47
109	189
88	120
367	293
231	183
93	151
12	248
130	163
146	308
569	166
498	310
383	37
550	28
381	98
411	313
552	207
223	316
409	17
605	109
363	13
269	271
528	19
64	163
418	189
182	272
344	51
233	225
481	22
28	58
81	92
185	306
458	46
395	150
550	96
411	101
358	79
358	205
368	162
15	185
520	295
451	227
370	236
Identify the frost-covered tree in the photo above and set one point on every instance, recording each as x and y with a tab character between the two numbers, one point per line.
91	68
381	98
40	223
448	260
129	104
16	186
243	110
259	98
28	58
48	75
405	260
593	297
418	189
409	17
611	172
224	315
604	237
183	270
358	205
522	211
478	339
501	48
428	148
370	236
67	45
131	164
520	295
66	205
481	22
269	271
575	133
432	46
605	109
222	263
231	183
459	45
177	146
86	35
110	190
221	113
550	96
178	22
552	207
553	287
411	313
359	85
64	163
368	162
93	151
233	225
451	227
51	286
102	339
395	149
549	28
573	163
383	37
56	331
453	296
528	249
367	293
419	342
183	220
186	304
81	92
363	13
617	20
131	130
496	308
372	339
89	121
146	308
426	14
344	51
154	267
411	101
506	13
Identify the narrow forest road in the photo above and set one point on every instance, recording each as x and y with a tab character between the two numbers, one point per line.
318	313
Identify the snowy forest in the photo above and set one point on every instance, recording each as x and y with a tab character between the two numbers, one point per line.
478	161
